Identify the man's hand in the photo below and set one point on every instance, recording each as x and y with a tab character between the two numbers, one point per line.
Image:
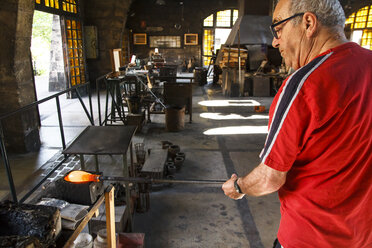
229	189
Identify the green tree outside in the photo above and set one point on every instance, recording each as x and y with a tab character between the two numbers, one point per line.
40	43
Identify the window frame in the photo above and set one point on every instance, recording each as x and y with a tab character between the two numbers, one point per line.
71	80
351	21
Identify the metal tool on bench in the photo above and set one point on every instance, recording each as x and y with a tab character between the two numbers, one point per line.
77	176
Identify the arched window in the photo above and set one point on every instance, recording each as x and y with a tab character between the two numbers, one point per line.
216	29
361	27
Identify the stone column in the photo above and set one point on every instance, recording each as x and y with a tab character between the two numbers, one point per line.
16	80
57	80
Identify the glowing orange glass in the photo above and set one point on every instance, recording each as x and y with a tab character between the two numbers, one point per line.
81	177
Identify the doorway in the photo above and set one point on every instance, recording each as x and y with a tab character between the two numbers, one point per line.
47	55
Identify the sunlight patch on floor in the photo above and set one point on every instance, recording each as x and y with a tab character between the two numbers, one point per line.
221	116
237	130
229	103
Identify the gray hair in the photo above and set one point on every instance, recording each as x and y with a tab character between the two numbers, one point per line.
328	12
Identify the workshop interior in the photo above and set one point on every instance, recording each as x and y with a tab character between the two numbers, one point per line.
121	120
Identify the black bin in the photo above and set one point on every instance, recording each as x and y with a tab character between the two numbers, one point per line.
200	75
174	118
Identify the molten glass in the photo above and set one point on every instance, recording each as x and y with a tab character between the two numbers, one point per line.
81	177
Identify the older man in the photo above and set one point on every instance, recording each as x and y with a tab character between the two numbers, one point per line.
318	152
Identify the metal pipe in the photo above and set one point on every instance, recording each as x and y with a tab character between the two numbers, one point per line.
90	103
60	123
239	60
155	180
29	106
84	107
99	102
152	93
106	105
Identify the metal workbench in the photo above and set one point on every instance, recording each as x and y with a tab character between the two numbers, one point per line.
106	140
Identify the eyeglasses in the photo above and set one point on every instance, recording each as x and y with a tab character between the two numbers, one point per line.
272	27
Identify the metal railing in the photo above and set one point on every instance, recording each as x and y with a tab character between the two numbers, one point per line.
60	122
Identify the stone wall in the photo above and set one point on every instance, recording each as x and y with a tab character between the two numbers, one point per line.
262	7
109	17
16	80
57	79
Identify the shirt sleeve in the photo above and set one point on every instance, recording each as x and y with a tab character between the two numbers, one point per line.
294	118
290	127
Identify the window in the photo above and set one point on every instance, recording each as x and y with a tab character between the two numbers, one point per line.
208	22
208	43
367	39
235	15
361	26
49	3
216	29
223	18
74	51
165	41
69	6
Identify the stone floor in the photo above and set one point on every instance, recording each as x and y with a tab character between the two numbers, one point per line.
226	137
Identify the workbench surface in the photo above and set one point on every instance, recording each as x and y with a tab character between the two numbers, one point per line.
102	140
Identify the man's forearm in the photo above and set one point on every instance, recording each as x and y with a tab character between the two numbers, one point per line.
262	180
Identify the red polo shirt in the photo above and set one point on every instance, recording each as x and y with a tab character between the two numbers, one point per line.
320	131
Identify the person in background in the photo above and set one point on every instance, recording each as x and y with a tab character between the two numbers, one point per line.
318	151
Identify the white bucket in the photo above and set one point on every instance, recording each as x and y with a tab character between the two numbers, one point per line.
84	240
100	240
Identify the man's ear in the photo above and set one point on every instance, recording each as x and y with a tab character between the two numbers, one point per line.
310	24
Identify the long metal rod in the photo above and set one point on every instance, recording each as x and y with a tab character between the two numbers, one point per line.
154	180
7	165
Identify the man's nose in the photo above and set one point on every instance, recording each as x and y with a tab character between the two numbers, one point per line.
275	42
